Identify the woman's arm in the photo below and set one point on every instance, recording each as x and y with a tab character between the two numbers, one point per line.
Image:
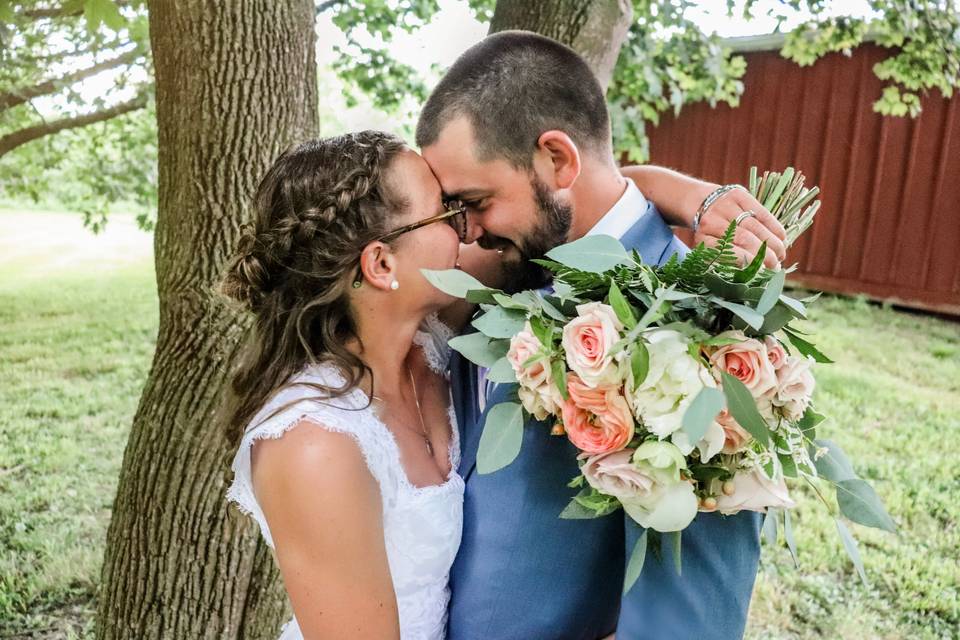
484	265
678	197
324	512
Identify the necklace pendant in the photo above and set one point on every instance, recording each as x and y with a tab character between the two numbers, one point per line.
429	446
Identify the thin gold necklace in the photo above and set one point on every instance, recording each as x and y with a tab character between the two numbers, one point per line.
416	399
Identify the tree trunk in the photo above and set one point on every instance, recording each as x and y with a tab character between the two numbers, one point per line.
235	85
596	29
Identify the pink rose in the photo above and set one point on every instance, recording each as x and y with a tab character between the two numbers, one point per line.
795	387
747	361
736	438
754	491
775	352
615	474
587	341
523	347
597	420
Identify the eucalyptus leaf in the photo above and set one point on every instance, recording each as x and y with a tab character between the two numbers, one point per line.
719	287
850	545
595	254
479	349
635	564
502	372
771	294
861	504
500	323
501	437
776	319
788	536
745	313
454	282
701	412
770	526
834	464
743	408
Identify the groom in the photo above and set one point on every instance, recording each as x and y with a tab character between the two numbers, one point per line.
518	129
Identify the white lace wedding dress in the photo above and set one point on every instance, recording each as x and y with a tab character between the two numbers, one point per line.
421	526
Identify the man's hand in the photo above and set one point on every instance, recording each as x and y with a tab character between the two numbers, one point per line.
678	197
751	232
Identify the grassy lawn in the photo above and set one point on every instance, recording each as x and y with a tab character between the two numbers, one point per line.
78	316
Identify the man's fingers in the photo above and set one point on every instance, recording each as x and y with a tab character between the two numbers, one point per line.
763	234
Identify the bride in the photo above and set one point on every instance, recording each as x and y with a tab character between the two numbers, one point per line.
347	451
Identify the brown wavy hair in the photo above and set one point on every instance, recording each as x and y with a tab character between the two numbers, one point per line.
317	207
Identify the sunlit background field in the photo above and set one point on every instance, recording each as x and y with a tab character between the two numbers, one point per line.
78	317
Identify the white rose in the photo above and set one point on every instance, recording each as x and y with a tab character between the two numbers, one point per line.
674	379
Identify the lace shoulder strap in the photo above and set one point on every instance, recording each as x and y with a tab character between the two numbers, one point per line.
432	338
347	414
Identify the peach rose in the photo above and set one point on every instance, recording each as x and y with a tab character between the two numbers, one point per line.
736	438
775	352
795	387
597	420
587	341
747	361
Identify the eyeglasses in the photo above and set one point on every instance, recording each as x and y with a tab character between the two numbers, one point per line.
455	215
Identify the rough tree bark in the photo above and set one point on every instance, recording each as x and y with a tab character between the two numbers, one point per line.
596	29
235	85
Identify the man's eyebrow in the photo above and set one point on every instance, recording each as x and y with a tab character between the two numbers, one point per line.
467	194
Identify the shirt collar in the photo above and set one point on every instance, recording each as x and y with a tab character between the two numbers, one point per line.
625	213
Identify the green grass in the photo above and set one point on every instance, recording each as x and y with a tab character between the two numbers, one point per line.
78	331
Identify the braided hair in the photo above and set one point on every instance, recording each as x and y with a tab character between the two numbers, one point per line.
317	207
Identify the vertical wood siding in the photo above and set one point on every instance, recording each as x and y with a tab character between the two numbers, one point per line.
889	226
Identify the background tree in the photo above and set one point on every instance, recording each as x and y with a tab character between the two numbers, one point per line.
235	85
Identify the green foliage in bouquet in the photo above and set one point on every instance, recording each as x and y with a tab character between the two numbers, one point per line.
701	296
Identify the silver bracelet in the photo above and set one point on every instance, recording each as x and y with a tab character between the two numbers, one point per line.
714	195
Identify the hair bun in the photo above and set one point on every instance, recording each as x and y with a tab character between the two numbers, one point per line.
246	281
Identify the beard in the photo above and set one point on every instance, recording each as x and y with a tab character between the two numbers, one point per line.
553	225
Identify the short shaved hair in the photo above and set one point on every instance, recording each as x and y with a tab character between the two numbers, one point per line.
512	86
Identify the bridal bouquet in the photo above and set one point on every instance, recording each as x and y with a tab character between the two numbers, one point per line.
685	388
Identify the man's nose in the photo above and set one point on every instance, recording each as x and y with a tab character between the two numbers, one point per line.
474	229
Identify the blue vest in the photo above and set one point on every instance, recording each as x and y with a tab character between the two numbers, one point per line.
522	572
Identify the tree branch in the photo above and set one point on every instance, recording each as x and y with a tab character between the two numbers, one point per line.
19	96
59	12
13	140
323	6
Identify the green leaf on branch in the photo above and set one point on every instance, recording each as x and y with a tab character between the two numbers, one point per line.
594	254
753	318
501	437
743	408
454	282
701	412
788	536
850	545
639	363
635	564
502	372
479	349
500	323
559	372
834	464
808	423
859	502
621	307
771	293
805	348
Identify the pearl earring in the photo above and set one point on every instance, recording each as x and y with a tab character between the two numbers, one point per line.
394	285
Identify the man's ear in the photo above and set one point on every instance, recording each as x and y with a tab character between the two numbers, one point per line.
557	159
378	266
